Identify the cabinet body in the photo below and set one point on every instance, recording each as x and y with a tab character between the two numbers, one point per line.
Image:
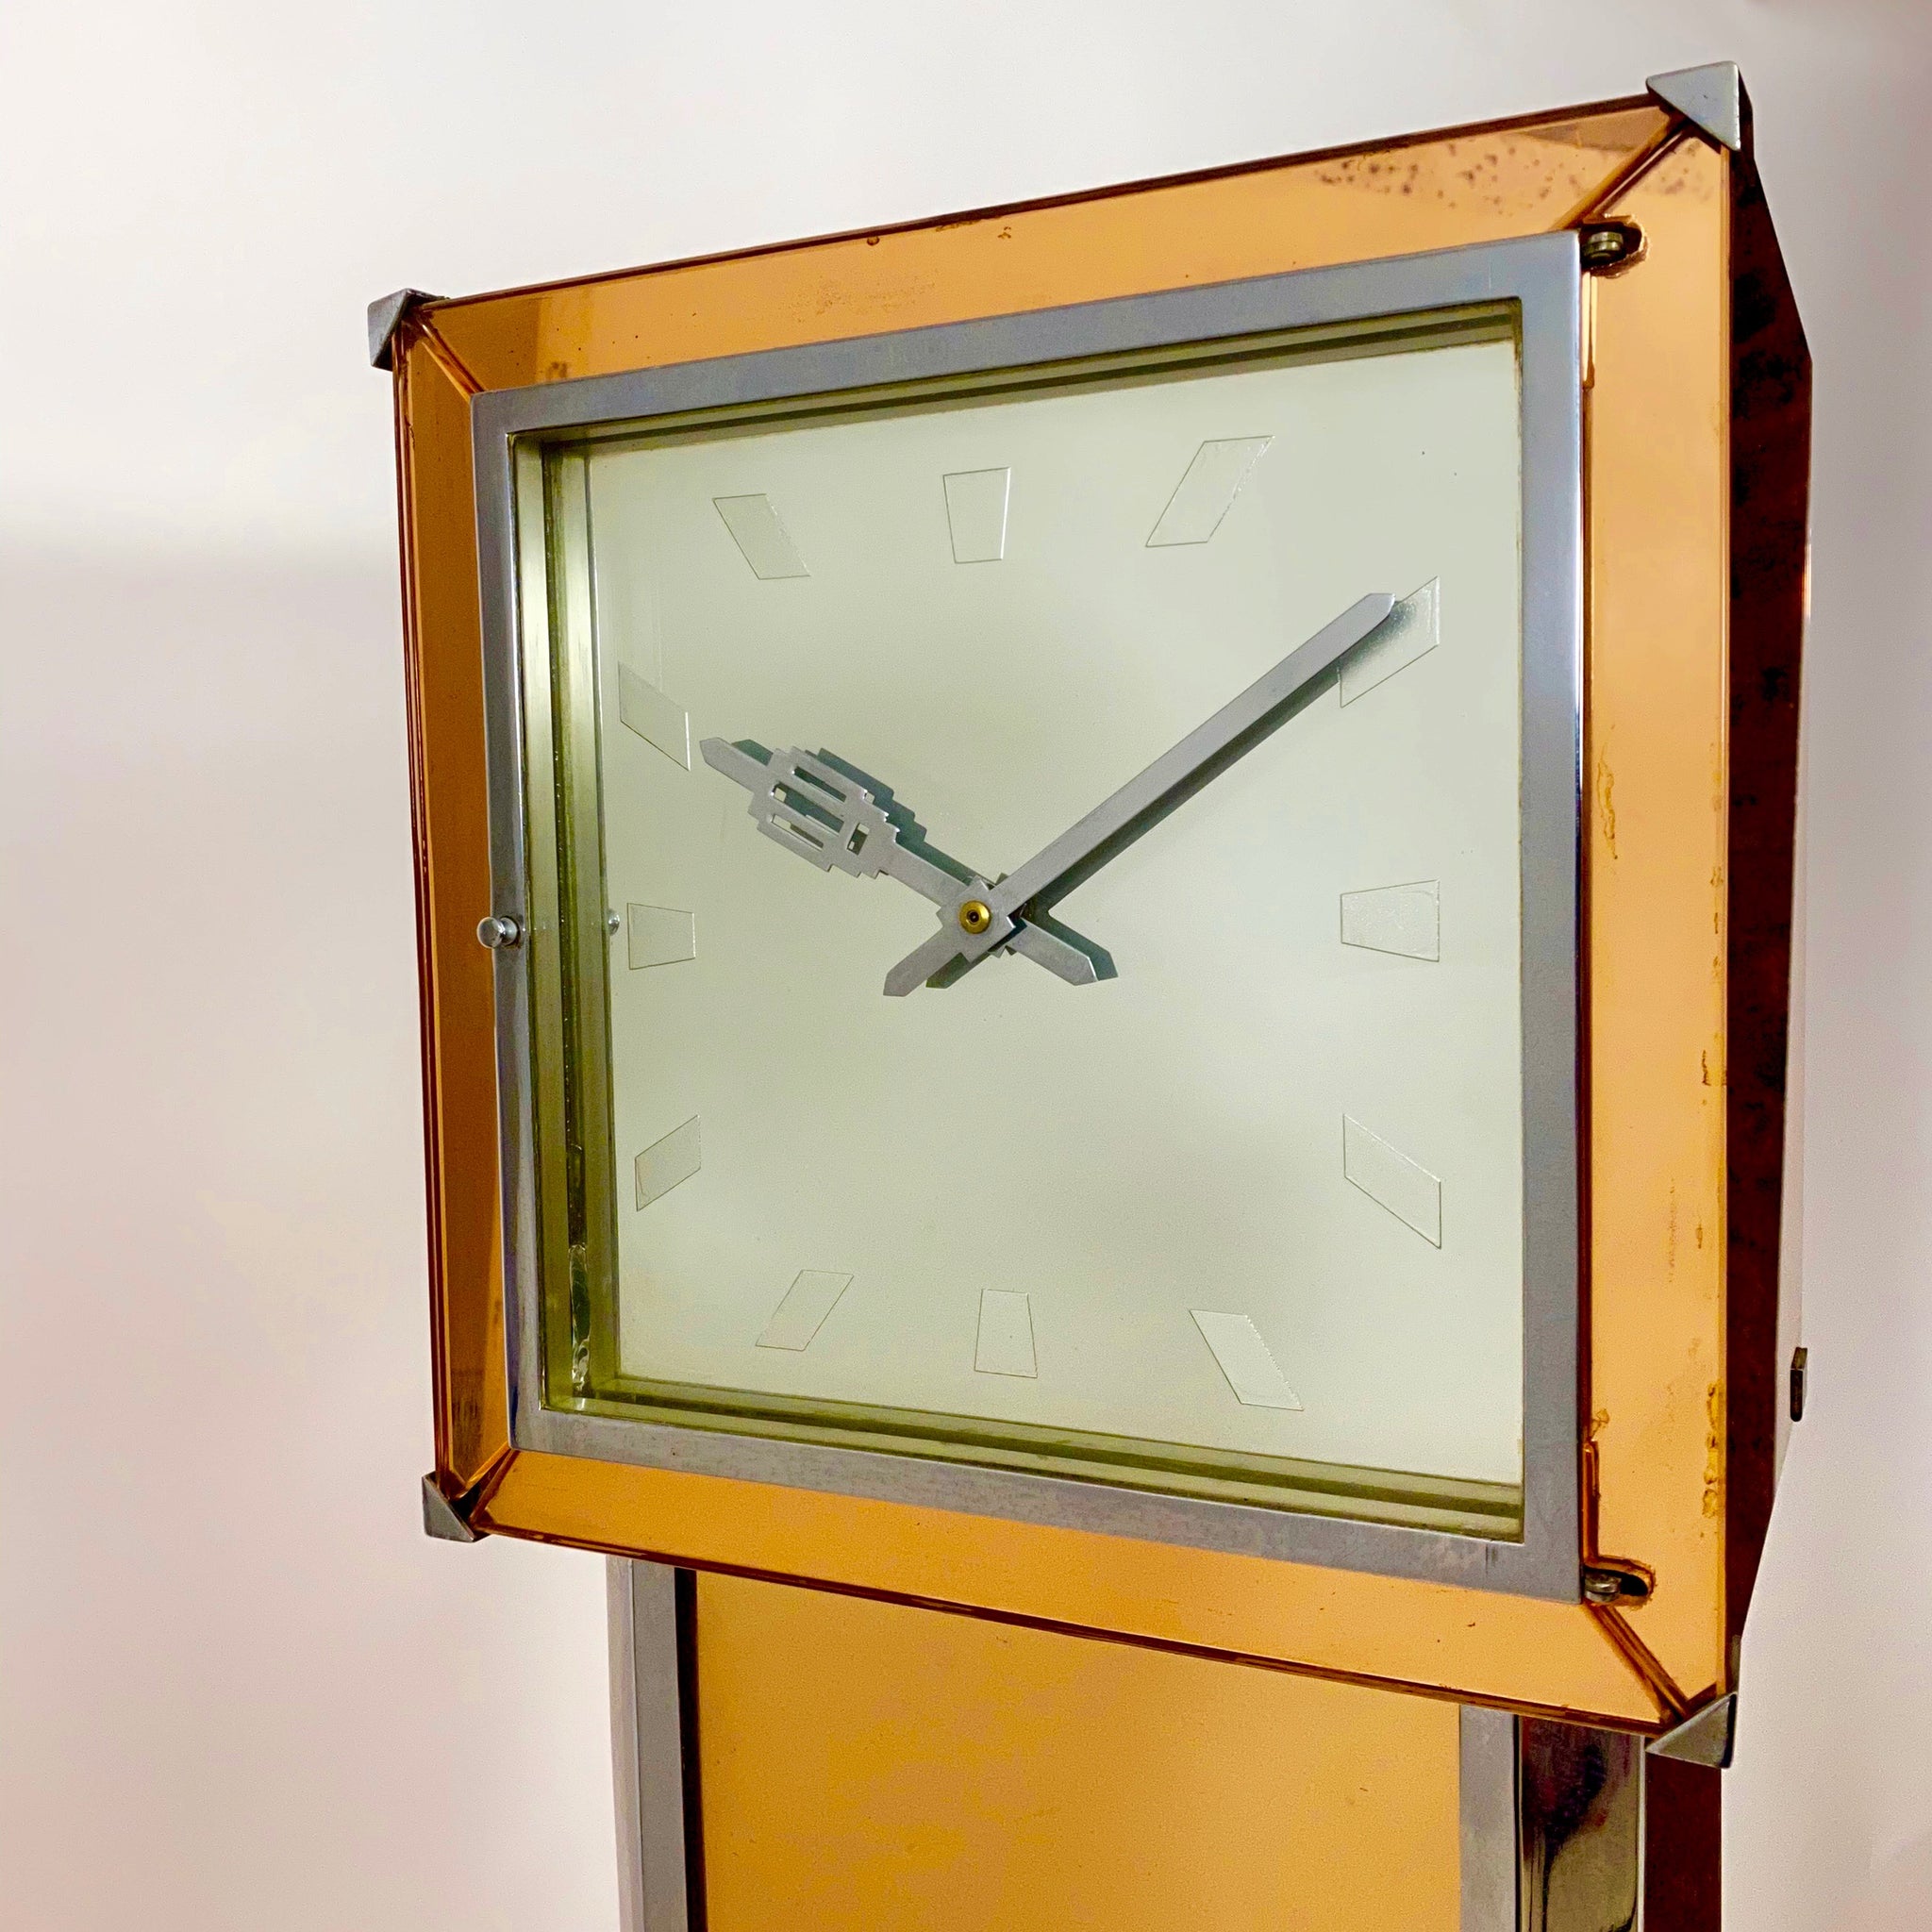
1130	1714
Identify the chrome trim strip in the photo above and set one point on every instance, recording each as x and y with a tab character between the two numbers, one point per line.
1580	1827
648	1730
1486	1810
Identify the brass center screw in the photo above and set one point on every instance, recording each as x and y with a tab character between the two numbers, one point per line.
975	915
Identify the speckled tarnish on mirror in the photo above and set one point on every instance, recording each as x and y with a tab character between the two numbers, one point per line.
1444	191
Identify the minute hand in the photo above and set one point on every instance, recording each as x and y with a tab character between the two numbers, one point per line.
1173	778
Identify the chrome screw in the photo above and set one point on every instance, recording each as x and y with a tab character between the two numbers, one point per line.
1607	244
500	930
1604	1584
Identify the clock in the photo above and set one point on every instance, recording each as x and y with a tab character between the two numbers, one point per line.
1135	861
1042	858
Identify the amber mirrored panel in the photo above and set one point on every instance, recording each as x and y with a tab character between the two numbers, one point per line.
1442	190
1675	1487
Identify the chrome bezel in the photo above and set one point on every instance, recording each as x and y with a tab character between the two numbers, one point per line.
1540	276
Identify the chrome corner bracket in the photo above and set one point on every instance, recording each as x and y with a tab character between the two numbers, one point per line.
385	317
447	1520
1711	98
1708	1737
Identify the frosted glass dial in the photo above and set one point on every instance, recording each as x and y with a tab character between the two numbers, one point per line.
1231	1191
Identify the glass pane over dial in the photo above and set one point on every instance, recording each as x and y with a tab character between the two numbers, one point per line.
1210	1176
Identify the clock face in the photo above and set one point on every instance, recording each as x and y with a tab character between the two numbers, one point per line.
1197	1157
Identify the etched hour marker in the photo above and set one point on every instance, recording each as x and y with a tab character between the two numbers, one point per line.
762	541
1411	630
976	514
1207	492
800	1316
1245	1360
666	1163
655	717
1395	919
1006	1334
1390	1177
660	935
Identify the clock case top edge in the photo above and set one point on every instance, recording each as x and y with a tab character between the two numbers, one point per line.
1541	273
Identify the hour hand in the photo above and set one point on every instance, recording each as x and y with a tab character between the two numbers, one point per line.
831	818
839	819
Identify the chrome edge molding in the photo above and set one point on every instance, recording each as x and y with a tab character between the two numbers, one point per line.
1486	1807
647	1728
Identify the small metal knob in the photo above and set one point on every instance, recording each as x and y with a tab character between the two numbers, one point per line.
500	929
613	922
975	915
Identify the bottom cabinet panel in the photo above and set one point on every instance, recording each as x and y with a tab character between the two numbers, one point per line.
866	1765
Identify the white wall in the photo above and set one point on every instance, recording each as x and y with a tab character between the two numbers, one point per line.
237	1687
